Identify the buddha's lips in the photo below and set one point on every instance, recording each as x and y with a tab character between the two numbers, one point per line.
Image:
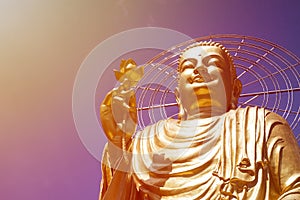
196	79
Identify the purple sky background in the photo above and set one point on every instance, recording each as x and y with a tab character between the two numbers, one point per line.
42	47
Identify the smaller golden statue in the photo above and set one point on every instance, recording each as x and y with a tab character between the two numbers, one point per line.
213	151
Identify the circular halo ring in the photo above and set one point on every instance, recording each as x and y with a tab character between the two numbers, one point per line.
269	74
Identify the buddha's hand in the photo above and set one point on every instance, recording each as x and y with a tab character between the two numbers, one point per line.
123	96
128	76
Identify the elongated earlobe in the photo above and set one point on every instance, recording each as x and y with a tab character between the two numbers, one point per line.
181	113
236	91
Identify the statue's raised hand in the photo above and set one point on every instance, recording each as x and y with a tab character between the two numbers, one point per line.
123	97
118	110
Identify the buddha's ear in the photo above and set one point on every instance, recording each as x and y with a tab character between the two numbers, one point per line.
181	113
236	91
176	91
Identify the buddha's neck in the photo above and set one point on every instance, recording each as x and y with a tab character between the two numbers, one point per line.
204	112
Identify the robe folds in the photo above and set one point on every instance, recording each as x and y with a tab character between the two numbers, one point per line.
231	156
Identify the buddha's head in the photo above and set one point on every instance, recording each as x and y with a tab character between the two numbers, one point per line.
208	84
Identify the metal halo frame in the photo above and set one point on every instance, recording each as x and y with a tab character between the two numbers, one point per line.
269	74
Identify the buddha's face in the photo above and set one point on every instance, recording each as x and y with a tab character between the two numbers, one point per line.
205	80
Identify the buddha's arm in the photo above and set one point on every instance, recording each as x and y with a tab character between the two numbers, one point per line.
284	155
118	110
118	115
116	183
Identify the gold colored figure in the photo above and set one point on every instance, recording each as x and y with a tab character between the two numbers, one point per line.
213	151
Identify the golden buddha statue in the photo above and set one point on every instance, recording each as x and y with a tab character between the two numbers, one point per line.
214	150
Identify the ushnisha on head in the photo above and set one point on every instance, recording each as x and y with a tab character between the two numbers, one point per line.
207	84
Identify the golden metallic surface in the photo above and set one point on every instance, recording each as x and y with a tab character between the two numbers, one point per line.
213	151
119	121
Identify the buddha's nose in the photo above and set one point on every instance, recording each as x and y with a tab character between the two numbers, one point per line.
200	70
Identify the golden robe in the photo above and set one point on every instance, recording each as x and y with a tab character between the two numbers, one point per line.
248	153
